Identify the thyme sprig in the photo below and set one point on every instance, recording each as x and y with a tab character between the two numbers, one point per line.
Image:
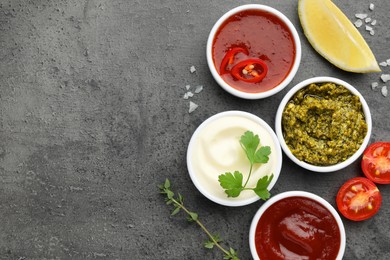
178	204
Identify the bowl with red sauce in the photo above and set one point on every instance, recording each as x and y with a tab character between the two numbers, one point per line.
297	225
253	51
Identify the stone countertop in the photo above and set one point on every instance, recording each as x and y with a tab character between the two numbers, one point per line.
93	119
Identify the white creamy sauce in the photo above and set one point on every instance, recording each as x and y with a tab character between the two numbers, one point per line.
217	150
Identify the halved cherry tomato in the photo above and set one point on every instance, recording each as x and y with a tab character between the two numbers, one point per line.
250	70
358	199
376	162
229	58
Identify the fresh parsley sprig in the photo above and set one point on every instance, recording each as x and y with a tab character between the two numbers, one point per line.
178	204
232	183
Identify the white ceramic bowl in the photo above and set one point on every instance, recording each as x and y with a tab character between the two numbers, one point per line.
279	130
288	194
277	88
205	174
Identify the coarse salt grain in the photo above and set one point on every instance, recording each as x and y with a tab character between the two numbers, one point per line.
192	108
373	22
368	28
358	23
372	32
383	64
190	94
385	77
374	85
188	87
384	91
192	69
371	7
367	20
361	16
185	96
388	62
198	89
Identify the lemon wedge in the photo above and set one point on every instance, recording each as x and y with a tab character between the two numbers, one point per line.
333	36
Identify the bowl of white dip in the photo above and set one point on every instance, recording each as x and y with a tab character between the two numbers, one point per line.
215	149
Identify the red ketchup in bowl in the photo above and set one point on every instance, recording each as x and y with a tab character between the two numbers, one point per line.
253	51
297	228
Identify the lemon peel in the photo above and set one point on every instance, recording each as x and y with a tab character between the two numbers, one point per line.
334	36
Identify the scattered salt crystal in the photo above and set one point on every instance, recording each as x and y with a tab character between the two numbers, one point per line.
188	87
384	91
361	16
198	89
388	62
190	94
192	69
192	108
383	64
372	32
185	96
374	85
368	28
373	22
385	77
358	23
372	6
367	20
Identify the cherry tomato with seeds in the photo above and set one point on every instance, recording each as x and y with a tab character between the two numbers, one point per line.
358	199
376	162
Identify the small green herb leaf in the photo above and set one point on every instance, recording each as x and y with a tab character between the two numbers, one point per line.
180	198
261	187
167	184
175	211
212	242
232	255
249	143
208	244
232	183
193	216
261	155
170	194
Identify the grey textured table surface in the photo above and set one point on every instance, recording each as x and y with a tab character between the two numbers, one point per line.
93	119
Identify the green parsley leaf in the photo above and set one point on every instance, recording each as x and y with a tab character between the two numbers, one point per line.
231	183
261	187
249	143
261	155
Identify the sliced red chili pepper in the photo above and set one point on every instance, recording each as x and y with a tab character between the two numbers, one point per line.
229	58
250	70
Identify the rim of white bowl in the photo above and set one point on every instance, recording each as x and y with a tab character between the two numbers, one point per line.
226	201
288	194
284	83
279	131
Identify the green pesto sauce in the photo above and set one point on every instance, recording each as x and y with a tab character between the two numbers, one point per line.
324	124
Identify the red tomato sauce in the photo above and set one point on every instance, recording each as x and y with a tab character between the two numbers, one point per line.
265	37
297	228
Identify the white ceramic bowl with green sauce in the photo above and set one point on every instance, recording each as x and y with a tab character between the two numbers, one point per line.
279	128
